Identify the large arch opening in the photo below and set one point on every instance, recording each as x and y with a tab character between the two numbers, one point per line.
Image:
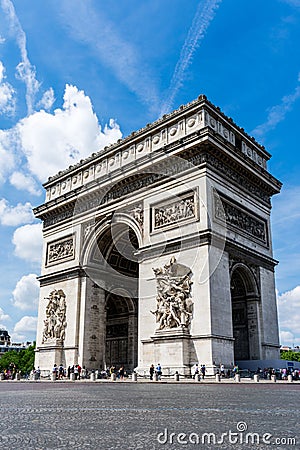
245	314
120	271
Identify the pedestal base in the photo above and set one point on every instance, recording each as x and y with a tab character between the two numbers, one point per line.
171	348
49	354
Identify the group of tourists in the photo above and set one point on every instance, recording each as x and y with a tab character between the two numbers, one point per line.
10	373
281	374
119	373
61	373
196	370
157	371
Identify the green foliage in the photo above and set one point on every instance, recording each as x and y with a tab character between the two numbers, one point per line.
290	355
23	360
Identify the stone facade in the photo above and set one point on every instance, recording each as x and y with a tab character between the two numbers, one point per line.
160	246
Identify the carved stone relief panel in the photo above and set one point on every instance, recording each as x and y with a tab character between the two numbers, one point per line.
174	307
55	322
240	219
184	208
61	250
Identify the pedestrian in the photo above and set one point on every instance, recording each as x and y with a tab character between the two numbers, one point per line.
203	370
151	371
158	371
222	370
76	371
195	370
79	371
54	371
235	370
61	372
121	373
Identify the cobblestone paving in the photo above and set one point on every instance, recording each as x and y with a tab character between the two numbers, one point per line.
84	415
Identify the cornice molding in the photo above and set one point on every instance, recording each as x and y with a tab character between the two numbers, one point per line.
181	127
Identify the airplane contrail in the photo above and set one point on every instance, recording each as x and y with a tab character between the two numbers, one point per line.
25	70
204	15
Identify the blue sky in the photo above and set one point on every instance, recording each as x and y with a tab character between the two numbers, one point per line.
78	74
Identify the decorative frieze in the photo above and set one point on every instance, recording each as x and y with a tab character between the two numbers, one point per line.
219	127
55	322
170	212
174	307
171	129
238	178
252	154
172	169
61	250
240	219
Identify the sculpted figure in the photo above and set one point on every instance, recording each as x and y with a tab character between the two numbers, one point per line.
55	322
173	303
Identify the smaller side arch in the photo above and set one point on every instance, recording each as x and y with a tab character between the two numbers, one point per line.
245	313
246	275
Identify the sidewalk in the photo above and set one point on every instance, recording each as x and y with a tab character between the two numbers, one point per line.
164	380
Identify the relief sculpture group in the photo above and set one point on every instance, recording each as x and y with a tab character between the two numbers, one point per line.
174	307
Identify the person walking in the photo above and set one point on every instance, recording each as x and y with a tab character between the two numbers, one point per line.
61	372
203	370
121	373
222	370
151	371
195	370
158	371
54	371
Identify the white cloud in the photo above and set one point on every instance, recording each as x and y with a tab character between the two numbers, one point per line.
7	94
289	315
287	338
6	156
3	317
47	100
25	71
204	15
277	113
26	292
27	324
24	182
15	215
28	242
51	142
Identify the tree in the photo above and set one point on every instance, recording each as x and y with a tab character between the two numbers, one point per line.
23	360
290	355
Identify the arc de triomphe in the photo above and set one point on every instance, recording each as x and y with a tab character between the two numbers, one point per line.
158	249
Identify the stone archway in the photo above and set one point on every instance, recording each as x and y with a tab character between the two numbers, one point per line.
116	271
121	331
245	314
177	189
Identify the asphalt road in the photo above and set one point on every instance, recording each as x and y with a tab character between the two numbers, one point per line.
126	415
